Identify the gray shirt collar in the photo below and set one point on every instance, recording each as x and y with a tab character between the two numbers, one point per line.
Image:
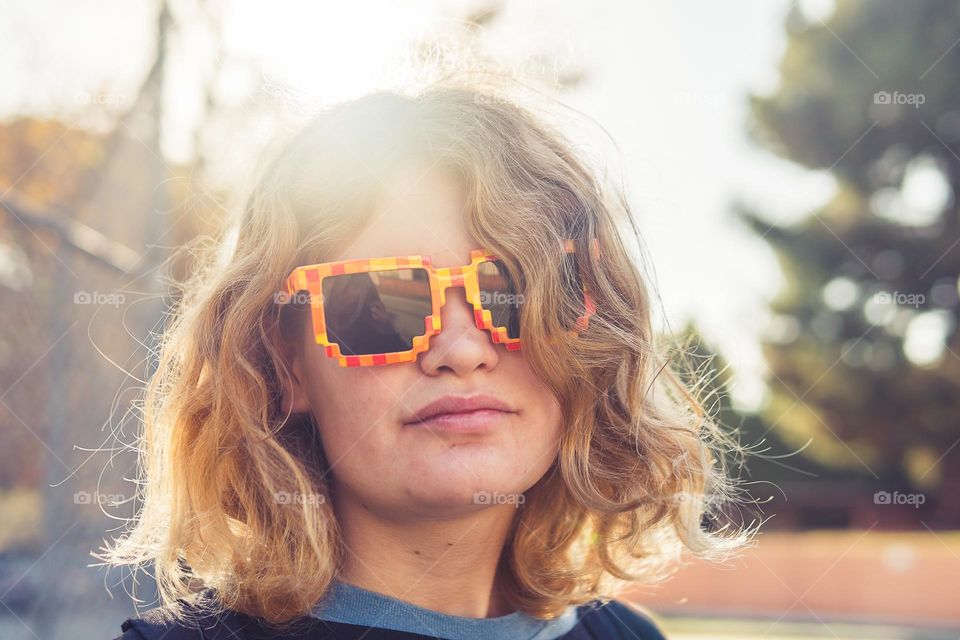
350	604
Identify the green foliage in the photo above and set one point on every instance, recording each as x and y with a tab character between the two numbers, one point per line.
876	267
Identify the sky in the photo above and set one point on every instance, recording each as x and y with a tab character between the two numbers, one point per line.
667	81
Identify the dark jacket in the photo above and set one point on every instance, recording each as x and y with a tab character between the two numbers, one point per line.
610	621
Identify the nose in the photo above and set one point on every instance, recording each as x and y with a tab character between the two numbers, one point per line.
460	346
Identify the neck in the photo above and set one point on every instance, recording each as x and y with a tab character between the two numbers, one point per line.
446	565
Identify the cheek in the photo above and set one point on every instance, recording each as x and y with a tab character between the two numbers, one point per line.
355	409
540	439
537	396
358	412
534	445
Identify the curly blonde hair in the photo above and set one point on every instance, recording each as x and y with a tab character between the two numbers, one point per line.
641	462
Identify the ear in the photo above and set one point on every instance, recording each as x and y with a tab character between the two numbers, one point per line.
293	381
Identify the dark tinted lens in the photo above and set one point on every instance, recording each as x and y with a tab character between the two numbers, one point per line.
376	312
499	297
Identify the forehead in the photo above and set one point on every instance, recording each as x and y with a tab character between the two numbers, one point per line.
420	210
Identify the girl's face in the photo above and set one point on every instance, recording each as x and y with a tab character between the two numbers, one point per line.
377	457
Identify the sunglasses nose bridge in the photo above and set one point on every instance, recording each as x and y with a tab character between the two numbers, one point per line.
449	277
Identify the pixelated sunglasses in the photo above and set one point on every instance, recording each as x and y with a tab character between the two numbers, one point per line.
378	311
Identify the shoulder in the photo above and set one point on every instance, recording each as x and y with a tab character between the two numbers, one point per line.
614	619
204	623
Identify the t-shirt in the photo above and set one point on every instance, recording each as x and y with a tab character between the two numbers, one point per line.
349	612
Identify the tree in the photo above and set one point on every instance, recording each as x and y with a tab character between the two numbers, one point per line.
865	356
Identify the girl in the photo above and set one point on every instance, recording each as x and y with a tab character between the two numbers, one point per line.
422	398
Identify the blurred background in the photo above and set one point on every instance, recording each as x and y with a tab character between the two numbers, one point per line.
793	167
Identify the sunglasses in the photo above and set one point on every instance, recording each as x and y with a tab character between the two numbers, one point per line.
381	311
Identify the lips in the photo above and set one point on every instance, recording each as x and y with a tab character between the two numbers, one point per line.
453	405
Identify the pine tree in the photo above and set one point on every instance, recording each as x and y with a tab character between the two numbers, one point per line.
866	355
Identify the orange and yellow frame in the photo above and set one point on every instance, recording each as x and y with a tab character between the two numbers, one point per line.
310	278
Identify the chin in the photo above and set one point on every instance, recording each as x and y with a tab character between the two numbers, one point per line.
466	489
450	504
